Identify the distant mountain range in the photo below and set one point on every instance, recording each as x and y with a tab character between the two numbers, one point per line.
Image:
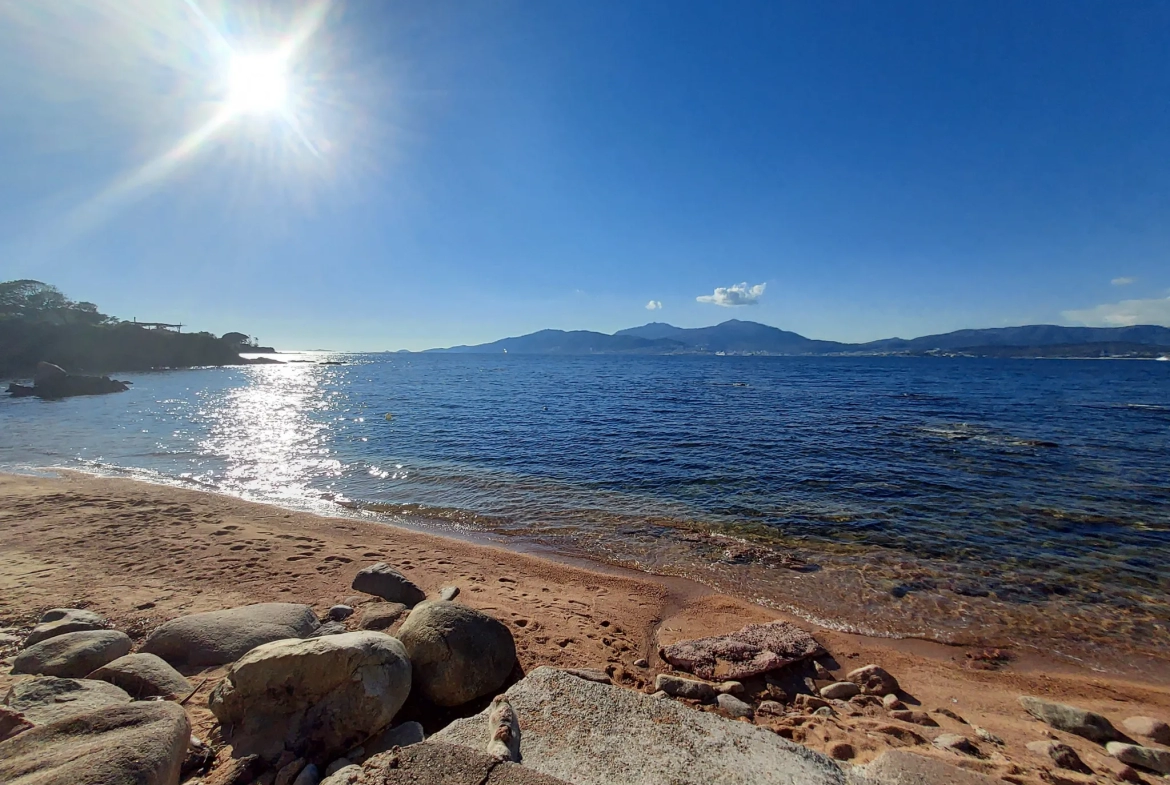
739	337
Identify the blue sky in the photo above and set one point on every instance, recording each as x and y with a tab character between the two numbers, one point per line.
464	171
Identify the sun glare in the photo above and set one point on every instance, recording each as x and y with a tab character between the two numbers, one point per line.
258	84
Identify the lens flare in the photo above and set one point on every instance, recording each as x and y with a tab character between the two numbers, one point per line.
258	83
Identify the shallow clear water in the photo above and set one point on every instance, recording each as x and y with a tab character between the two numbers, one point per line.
1021	503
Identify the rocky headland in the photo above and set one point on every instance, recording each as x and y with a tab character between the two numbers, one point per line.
156	635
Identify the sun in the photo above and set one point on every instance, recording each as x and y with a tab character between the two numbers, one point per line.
258	83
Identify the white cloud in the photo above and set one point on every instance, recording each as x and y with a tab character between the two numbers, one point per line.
654	305
1124	313
731	296
1122	281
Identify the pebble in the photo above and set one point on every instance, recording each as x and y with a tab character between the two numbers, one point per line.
822	672
339	613
893	703
337	766
823	711
642	663
734	706
448	593
842	690
589	674
660	695
956	743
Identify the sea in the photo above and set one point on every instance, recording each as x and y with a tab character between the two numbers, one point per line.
1020	504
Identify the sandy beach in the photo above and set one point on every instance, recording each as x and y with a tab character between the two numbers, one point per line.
141	554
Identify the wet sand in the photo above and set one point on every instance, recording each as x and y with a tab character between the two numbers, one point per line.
141	554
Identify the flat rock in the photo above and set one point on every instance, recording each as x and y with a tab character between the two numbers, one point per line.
139	743
842	690
46	699
1148	728
144	676
382	580
327	694
436	763
381	615
59	621
597	734
873	680
458	653
220	637
1064	756
897	767
73	654
1084	723
755	649
685	688
1143	757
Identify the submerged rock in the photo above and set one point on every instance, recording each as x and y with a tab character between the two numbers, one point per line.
1084	723
48	699
59	621
753	650
53	381
73	654
220	637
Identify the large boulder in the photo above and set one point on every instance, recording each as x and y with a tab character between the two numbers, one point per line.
753	650
74	654
1084	723
220	637
458	653
144	676
59	621
598	734
324	694
46	699
52	381
136	744
382	580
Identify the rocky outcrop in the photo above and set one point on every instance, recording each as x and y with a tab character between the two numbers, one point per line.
73	654
597	734
755	649
1088	724
46	699
382	580
220	637
140	743
458	653
59	621
325	694
52	381
144	676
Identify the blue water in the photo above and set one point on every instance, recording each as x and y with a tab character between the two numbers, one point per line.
1017	502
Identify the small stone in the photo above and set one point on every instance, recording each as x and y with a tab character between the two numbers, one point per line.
337	766
1088	724
823	711
1142	757
684	688
840	750
381	615
873	680
641	663
916	717
289	771
956	743
842	690
730	688
771	708
1148	728
734	706
948	713
339	613
809	702
382	580
892	702
448	593
985	735
1062	755
308	776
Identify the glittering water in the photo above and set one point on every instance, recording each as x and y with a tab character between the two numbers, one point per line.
1011	502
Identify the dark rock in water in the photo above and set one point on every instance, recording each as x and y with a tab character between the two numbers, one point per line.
755	649
52	381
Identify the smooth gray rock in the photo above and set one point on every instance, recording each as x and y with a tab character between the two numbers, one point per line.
46	699
596	734
322	694
220	637
339	613
59	621
1148	728
381	615
685	688
896	767
458	653
448	593
1137	755
1064	756
73	654
144	676
399	736
841	690
382	580
734	706
1088	724
136	744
